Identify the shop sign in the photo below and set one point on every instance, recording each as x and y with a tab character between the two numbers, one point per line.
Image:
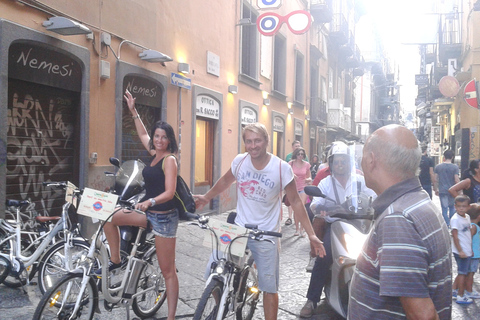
278	124
298	129
144	90
213	64
248	115
269	4
41	65
312	133
208	107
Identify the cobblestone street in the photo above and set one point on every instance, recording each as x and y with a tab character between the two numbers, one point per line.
191	260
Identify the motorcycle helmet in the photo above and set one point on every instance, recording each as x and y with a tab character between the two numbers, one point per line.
337	148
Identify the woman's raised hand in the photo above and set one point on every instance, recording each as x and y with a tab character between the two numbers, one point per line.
130	101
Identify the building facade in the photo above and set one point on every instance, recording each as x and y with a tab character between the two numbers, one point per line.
448	119
202	66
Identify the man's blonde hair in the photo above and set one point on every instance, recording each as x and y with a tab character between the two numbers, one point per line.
256	128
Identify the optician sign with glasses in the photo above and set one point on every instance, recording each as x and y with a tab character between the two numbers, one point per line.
298	22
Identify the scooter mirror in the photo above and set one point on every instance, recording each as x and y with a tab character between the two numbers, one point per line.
314	191
115	162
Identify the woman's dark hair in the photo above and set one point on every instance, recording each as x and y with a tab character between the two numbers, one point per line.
297	151
172	146
474	164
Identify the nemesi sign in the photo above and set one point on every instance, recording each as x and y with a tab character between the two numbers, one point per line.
34	63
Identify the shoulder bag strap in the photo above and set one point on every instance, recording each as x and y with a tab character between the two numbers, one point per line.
335	190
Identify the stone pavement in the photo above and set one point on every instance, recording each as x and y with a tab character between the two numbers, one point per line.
191	262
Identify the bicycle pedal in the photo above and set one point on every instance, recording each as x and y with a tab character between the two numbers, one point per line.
108	306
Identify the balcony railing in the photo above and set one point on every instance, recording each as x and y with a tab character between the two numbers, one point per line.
318	110
339	29
321	10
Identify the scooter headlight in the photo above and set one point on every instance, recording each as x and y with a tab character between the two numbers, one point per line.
354	245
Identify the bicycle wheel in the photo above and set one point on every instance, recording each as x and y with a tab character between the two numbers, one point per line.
52	265
208	306
12	279
152	282
248	294
4	268
59	301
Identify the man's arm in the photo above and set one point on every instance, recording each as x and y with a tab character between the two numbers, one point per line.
432	175
302	216
222	184
419	308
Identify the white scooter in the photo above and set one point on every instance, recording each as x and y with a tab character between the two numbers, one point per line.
348	234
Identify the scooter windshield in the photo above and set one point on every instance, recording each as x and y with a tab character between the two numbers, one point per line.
129	179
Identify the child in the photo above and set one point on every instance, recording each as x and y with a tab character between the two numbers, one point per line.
461	246
474	213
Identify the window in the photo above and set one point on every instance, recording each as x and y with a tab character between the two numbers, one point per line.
279	64
299	77
249	44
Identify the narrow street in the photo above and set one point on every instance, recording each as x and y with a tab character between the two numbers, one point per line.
192	257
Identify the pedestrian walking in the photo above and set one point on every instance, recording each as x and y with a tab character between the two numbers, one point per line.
426	171
404	269
261	177
446	175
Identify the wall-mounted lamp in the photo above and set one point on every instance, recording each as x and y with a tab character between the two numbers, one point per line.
307	117
154	56
266	102
233	89
290	110
184	68
65	26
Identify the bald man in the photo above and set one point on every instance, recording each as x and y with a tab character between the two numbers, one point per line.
404	270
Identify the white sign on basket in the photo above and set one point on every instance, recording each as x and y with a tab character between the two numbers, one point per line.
225	233
97	204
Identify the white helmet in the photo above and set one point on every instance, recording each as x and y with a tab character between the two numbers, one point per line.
338	147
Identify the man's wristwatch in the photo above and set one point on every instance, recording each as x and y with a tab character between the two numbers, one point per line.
152	201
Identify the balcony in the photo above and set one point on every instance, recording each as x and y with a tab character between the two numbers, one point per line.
321	10
339	29
450	46
439	72
355	60
348	49
430	53
347	122
318	111
336	119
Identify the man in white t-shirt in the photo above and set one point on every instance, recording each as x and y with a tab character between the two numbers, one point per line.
260	178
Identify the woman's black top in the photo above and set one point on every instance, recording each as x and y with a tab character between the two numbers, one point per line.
474	191
154	178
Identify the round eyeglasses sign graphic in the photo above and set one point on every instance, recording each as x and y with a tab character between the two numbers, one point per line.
298	22
268	4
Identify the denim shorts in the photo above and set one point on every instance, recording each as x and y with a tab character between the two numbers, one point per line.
473	266
462	264
164	224
267	260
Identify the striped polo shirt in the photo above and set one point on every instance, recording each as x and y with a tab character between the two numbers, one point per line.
407	254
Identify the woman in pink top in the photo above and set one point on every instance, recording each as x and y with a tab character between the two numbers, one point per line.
301	170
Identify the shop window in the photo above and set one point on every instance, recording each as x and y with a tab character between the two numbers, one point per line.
204	152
